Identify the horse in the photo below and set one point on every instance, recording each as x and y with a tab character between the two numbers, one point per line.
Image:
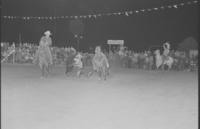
162	61
44	58
100	65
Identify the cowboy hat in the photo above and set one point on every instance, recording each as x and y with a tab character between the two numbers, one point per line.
47	32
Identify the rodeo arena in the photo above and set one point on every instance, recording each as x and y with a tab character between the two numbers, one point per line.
110	86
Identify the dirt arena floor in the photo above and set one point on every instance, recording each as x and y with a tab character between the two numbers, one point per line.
129	99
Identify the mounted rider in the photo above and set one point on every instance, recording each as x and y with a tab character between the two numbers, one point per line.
43	54
100	63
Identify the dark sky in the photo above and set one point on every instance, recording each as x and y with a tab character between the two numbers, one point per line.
140	31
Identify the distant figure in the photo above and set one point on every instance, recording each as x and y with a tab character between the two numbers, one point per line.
166	47
78	64
121	51
43	54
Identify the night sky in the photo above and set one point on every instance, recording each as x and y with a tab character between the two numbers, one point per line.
140	31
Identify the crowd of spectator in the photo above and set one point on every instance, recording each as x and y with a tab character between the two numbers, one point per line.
25	53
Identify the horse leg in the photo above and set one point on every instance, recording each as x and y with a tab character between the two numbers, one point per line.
46	70
104	73
42	67
50	66
67	68
91	73
79	73
158	68
100	73
168	67
107	71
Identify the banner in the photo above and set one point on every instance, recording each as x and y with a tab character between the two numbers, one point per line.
115	42
124	13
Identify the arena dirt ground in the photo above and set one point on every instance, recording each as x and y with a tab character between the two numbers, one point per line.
129	99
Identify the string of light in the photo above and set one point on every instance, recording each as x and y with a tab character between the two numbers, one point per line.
125	13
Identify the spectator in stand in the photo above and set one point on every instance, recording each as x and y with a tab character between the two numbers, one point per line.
69	59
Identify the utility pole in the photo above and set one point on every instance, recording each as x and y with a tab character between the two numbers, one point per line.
78	38
55	25
20	38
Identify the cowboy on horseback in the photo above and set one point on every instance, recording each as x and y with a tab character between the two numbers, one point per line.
164	59
43	54
100	63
